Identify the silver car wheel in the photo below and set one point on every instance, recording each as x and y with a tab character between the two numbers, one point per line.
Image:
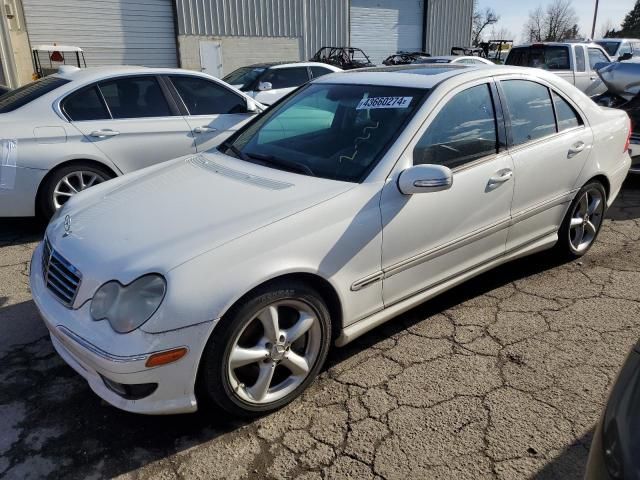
73	183
274	352
586	219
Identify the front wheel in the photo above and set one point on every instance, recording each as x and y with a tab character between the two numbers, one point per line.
583	220
266	350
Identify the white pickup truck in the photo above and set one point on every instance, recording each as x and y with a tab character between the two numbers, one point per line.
575	62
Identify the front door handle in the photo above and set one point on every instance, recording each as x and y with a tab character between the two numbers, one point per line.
104	133
501	176
576	149
203	129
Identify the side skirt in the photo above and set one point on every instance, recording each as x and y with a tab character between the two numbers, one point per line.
361	327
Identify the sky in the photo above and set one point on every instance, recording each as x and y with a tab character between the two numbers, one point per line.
514	14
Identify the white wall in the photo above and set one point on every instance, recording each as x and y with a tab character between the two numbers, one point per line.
240	51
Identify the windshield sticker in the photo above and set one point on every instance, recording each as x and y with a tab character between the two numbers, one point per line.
8	163
384	102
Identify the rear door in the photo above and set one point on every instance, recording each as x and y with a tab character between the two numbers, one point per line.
549	143
283	81
212	110
131	120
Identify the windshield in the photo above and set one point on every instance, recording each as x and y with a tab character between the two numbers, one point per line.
327	130
244	76
21	96
610	47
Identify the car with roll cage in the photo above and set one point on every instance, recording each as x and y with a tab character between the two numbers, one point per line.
225	277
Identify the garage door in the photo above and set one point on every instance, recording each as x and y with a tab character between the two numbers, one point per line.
383	27
111	32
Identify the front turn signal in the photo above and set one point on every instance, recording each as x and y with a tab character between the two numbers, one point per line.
164	358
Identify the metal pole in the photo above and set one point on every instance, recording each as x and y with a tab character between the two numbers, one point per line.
6	50
595	16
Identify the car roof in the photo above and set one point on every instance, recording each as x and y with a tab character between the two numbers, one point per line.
558	44
428	76
607	39
96	73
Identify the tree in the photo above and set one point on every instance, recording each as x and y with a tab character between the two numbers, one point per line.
502	33
606	27
631	23
557	21
481	19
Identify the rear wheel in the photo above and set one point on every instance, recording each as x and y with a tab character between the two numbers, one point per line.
267	350
67	181
583	220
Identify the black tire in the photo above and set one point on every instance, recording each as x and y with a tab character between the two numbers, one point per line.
214	385
45	201
565	249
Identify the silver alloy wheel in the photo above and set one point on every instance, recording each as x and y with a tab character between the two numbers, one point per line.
73	183
586	219
274	352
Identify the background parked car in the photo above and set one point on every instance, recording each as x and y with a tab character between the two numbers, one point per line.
458	59
617	48
77	128
269	82
347	58
405	58
614	450
575	62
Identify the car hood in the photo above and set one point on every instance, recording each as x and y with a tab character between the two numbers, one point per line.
168	214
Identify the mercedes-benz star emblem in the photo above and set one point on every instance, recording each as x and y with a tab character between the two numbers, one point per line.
67	225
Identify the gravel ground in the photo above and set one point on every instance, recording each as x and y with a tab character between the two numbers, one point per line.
505	377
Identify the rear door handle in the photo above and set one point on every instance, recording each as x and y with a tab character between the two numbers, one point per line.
501	176
576	149
104	133
204	129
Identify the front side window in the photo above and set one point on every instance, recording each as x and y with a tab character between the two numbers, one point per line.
19	97
286	77
530	111
244	78
135	97
596	56
463	131
580	61
567	115
204	97
85	104
328	130
625	48
320	71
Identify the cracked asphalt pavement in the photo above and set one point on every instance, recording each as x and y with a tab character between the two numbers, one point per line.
503	377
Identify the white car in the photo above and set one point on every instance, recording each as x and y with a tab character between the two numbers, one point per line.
269	82
230	273
457	59
80	127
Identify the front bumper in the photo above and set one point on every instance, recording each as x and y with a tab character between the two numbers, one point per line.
95	351
18	190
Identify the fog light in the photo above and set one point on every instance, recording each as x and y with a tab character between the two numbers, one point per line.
130	391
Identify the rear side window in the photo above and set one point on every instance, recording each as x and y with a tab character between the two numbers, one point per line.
28	93
135	97
319	71
530	110
580	62
286	77
204	97
517	57
567	116
463	131
85	104
596	56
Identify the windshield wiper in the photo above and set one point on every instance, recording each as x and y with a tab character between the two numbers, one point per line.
281	162
236	151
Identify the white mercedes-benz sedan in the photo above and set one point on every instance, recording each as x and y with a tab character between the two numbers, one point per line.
80	127
225	276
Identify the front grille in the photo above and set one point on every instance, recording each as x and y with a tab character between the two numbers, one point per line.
61	278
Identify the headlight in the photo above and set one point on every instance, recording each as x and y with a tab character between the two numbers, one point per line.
127	307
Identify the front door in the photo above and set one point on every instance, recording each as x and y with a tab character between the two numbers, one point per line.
139	129
214	111
211	57
549	144
429	238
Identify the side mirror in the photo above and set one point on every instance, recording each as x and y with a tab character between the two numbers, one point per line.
264	86
625	56
425	178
